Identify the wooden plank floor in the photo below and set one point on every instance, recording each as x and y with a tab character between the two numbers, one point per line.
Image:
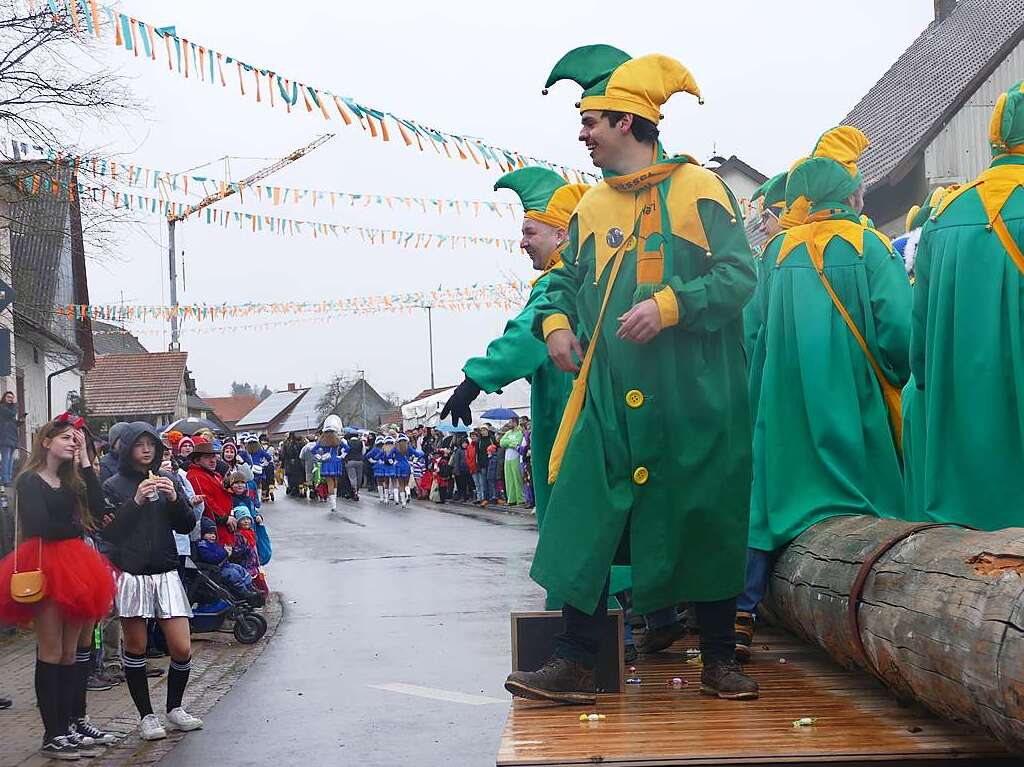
858	721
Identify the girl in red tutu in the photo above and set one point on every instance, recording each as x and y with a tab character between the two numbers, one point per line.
58	499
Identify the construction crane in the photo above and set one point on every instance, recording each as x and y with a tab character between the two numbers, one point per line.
223	194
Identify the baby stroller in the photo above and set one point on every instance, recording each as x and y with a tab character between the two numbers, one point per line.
213	604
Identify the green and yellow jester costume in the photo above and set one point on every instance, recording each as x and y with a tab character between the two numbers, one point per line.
770	196
833	353
967	353
653	454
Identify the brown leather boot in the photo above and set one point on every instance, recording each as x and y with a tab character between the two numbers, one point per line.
656	640
559	679
744	635
725	679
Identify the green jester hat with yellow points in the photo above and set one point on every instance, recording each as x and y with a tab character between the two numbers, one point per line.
545	195
613	81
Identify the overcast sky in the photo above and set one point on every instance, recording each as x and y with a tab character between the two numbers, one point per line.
774	76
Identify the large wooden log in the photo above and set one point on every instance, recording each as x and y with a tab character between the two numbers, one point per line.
940	614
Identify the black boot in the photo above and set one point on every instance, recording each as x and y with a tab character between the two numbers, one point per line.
559	679
656	640
723	677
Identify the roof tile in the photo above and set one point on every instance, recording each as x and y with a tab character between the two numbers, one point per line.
135	384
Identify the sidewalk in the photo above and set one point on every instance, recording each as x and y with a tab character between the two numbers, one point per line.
217	661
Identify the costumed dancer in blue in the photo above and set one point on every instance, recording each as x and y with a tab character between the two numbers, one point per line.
389	473
330	454
262	458
404	453
375	458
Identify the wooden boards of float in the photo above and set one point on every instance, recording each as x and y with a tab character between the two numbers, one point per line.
858	722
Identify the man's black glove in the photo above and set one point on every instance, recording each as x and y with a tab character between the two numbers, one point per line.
458	404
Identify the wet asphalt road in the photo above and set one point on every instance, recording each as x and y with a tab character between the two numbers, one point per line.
377	596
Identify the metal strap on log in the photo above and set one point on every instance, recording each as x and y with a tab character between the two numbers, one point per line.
857	589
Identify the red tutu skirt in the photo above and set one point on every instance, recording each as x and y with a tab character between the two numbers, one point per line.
79	581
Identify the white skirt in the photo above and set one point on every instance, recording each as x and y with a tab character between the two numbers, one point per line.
152	596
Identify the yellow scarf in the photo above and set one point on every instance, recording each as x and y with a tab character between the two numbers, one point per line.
649	270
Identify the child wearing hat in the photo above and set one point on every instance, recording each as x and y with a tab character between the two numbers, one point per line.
210	552
245	552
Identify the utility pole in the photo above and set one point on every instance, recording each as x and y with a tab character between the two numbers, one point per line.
430	331
362	396
226	192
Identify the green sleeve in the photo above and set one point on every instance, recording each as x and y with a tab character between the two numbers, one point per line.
919	316
516	353
890	306
713	300
563	285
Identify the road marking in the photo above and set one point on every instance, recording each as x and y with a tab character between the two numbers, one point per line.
435	694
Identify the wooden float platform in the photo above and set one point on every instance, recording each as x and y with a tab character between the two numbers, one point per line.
858	721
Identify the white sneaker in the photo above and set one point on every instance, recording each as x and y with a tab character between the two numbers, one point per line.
151	729
180	719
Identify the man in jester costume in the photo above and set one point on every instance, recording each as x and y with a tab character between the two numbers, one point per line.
771	204
832	356
967	354
914	426
652	457
549	202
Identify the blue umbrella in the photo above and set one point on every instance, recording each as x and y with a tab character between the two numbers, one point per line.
447	428
500	414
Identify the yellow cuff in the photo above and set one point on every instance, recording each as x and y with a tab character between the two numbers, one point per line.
553	323
668	307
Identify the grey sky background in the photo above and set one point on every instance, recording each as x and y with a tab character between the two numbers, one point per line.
774	77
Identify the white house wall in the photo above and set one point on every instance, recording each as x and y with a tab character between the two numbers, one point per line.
961	150
34	402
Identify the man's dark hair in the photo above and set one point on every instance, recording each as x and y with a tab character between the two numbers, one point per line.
643	130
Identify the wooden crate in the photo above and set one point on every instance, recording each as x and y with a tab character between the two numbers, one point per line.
533	641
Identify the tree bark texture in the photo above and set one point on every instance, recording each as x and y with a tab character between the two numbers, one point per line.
941	614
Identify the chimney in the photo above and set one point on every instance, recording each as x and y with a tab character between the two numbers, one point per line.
943	8
291	387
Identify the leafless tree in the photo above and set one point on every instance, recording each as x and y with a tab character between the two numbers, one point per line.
335	400
53	84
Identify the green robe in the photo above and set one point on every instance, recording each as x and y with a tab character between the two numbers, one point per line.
968	362
516	354
823	445
683	530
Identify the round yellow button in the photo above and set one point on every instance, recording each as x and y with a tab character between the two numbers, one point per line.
634	398
641	475
630	243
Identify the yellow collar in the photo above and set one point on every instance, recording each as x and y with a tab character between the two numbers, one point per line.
994	186
822	233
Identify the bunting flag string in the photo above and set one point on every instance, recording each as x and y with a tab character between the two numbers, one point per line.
497	295
142	177
200	62
256	222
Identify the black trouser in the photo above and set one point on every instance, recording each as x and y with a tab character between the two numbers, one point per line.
581	639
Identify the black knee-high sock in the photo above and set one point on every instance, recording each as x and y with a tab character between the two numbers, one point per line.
138	684
47	691
83	667
177	678
67	692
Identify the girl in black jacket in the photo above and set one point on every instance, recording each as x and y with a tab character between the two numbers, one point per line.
58	499
148	507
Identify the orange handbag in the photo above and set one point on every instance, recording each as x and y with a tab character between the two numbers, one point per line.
27	586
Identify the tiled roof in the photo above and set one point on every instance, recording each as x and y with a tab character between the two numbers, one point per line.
933	78
113	339
231	409
135	384
269	409
430	393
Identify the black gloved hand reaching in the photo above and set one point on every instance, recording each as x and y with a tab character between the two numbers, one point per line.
458	404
